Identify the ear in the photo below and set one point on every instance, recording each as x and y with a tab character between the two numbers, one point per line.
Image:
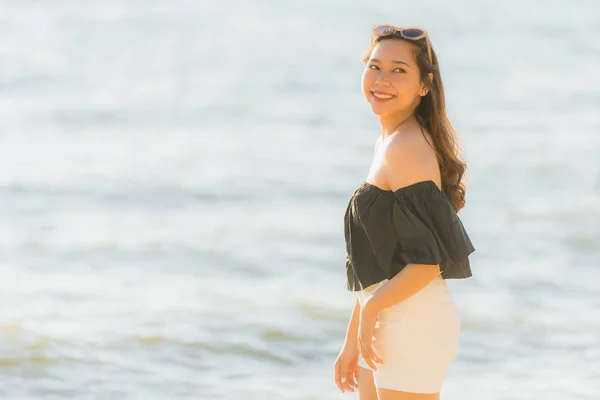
428	85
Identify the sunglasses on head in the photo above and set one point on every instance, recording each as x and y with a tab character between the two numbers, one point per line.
407	32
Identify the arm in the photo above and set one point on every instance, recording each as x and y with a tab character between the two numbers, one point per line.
346	364
352	331
410	280
408	159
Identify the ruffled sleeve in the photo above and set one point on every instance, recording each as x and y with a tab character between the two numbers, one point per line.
386	230
429	230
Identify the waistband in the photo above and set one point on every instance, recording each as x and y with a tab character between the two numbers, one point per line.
437	291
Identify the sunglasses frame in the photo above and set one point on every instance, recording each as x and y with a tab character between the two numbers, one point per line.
392	29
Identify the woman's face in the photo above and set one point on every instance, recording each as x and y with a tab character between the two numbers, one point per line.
392	71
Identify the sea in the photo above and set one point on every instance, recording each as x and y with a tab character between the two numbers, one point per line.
174	174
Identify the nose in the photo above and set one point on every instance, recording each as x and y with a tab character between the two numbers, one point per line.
382	80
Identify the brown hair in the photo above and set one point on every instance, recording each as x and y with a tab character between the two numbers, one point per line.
431	114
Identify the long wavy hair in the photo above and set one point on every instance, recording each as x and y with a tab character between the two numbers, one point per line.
431	115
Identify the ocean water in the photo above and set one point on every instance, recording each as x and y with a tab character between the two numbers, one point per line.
173	178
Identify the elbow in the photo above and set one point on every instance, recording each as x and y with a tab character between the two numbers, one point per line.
426	271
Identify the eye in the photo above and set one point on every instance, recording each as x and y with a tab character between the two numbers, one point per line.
399	69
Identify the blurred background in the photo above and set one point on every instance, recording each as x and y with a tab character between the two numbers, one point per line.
173	179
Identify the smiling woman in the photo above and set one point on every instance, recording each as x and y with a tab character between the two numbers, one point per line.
404	238
403	81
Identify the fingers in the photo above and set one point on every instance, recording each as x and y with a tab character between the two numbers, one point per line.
376	358
338	378
348	386
369	360
355	375
370	356
373	355
343	379
346	377
376	330
353	371
351	379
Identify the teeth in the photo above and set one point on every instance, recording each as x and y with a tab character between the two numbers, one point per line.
382	96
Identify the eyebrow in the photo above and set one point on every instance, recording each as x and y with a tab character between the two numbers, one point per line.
394	61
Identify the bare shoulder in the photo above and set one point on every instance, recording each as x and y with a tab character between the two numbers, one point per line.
409	159
377	144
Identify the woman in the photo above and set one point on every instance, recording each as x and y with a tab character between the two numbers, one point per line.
403	235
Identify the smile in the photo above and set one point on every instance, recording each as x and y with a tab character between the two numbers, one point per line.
382	96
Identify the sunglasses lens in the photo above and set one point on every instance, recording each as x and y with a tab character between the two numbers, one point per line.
412	33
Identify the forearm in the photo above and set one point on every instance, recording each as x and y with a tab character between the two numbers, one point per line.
410	280
352	331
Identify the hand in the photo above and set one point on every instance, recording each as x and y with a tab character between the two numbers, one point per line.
346	367
366	328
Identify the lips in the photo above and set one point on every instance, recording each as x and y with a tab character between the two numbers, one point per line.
382	96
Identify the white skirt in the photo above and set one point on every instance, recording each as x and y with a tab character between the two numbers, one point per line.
417	340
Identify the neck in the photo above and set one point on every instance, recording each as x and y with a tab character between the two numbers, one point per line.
391	124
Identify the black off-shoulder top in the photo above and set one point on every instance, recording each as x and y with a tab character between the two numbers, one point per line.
385	230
